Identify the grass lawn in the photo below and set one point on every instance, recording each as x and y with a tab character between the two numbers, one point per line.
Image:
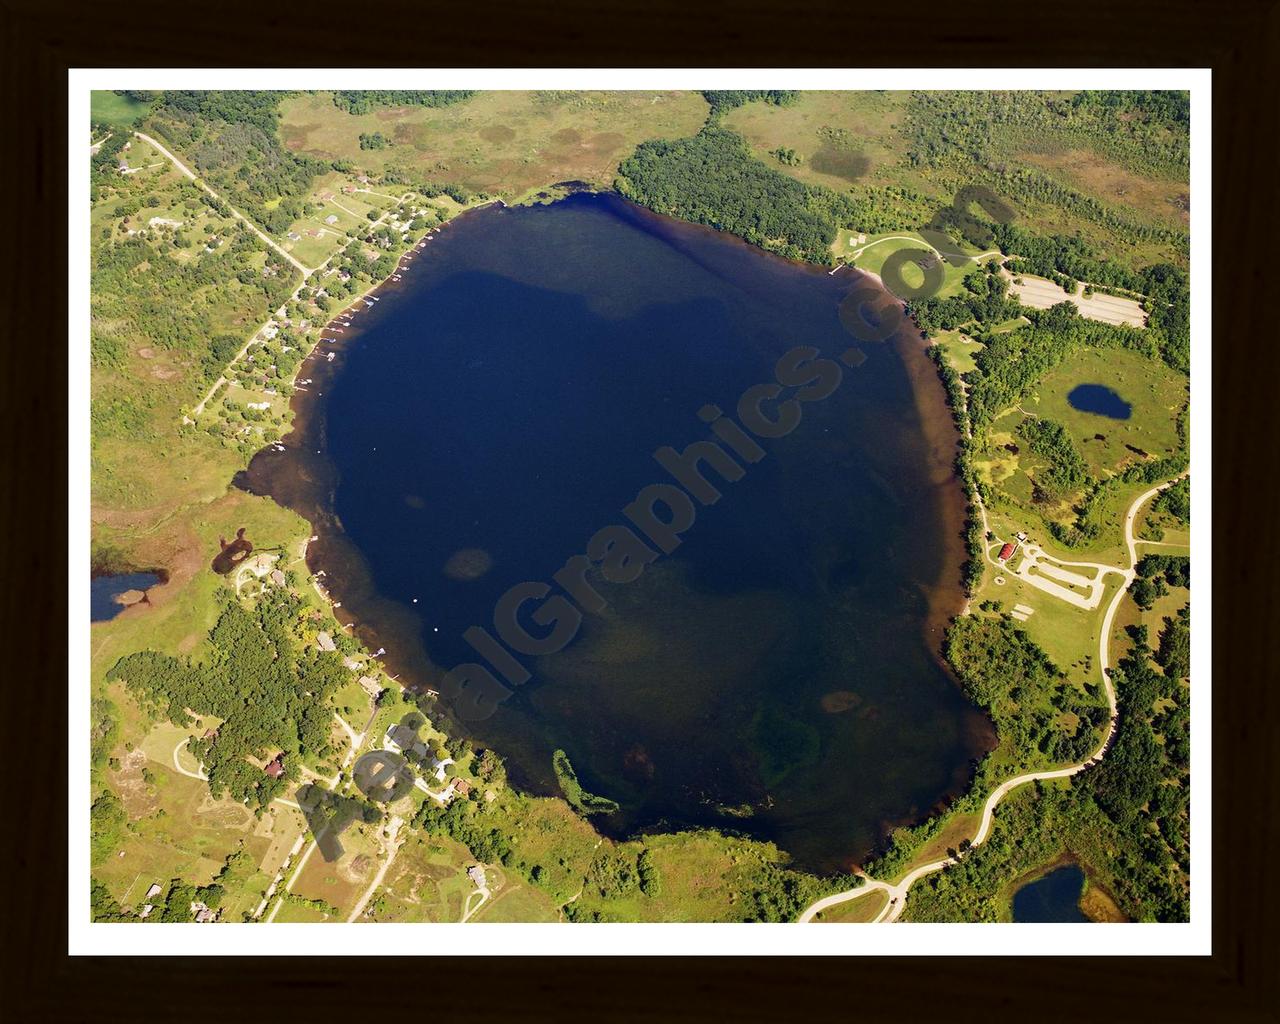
1067	633
857	911
111	108
959	349
878	248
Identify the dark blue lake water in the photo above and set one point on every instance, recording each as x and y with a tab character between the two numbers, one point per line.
1053	898
1100	400
777	673
103	591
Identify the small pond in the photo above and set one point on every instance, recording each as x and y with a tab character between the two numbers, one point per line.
1053	898
103	591
1100	400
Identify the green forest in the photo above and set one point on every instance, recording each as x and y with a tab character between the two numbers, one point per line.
232	139
271	696
361	101
713	179
1126	818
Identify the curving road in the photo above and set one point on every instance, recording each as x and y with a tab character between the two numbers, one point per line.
898	893
920	241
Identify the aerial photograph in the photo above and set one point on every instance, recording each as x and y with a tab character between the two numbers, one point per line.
569	506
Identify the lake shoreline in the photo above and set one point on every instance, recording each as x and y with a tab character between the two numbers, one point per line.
297	474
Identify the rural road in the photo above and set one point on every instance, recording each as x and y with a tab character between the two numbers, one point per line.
271	889
222	379
393	832
898	893
306	271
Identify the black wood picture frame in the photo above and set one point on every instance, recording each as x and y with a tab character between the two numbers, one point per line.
1239	40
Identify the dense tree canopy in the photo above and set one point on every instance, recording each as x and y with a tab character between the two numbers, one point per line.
270	696
712	178
361	101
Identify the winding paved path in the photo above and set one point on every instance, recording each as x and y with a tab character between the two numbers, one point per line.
898	893
921	241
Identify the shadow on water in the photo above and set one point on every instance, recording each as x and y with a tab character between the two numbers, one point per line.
779	673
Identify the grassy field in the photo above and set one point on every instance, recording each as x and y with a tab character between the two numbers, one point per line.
515	901
862	140
1157	395
870	252
842	137
1162	200
1173	535
1068	634
427	883
111	108
319	239
1129	614
502	143
340	883
959	349
860	911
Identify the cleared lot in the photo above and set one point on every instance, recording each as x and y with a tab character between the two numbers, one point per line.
1039	293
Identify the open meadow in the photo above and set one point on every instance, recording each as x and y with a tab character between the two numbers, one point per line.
507	144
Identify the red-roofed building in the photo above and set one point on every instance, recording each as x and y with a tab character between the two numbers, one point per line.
276	768
1007	551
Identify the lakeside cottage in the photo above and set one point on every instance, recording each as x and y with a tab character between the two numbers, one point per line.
325	642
